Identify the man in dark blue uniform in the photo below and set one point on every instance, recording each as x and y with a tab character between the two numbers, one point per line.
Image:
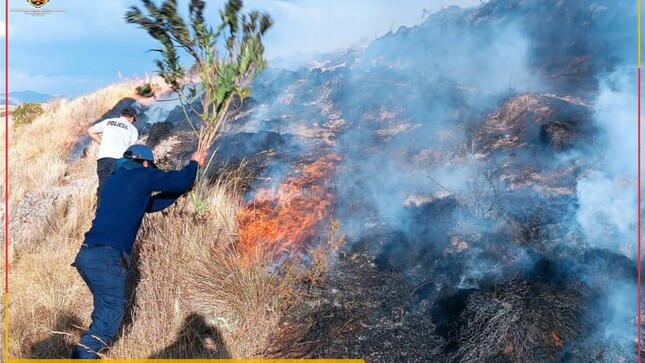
104	258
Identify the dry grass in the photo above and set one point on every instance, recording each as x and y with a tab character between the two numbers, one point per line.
195	297
46	294
190	268
38	151
3	215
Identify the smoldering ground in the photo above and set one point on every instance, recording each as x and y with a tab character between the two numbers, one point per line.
487	170
491	157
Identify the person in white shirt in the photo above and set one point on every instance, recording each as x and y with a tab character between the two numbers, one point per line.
114	136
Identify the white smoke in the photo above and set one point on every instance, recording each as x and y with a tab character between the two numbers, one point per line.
608	209
336	25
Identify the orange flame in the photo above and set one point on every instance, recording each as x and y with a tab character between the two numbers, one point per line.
284	219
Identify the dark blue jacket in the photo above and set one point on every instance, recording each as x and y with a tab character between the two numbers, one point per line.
127	196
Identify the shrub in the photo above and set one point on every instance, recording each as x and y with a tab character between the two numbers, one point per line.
26	113
519	321
559	135
227	57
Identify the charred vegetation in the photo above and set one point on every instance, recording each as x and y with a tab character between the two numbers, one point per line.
468	163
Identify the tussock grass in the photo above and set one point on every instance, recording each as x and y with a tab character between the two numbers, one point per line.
2	232
38	151
190	271
195	296
26	113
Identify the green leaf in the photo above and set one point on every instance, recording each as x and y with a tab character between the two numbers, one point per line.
223	55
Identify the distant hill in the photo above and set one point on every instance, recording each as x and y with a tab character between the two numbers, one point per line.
20	97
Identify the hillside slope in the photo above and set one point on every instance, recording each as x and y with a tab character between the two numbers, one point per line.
460	191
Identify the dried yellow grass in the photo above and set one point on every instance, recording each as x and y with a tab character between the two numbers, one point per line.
38	151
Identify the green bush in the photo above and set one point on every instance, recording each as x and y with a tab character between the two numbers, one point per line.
26	113
147	90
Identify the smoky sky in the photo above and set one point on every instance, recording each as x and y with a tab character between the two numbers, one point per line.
90	46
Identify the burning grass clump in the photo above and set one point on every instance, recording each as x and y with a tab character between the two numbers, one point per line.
282	220
519	321
196	297
197	294
175	311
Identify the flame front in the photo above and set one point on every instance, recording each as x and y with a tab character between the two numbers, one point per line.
284	219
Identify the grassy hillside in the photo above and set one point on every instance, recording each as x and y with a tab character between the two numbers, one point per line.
194	297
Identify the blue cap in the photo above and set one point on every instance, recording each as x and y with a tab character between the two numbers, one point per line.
140	152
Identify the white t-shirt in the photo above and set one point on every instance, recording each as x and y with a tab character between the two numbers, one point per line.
117	134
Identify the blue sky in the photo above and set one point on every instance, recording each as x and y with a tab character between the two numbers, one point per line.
89	45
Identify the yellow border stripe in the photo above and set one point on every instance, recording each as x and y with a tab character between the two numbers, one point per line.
199	360
6	326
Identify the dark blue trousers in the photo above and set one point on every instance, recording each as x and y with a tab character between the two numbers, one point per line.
104	170
105	271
